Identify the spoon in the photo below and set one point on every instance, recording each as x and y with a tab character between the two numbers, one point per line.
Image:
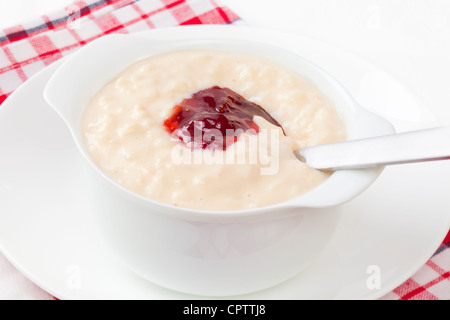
414	146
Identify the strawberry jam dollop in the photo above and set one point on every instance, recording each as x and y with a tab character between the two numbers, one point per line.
214	118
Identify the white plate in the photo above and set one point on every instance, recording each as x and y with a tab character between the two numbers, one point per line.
46	228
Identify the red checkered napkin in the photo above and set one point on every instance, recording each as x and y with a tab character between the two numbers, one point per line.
431	282
26	49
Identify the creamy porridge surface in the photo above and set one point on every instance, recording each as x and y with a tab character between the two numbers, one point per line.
124	132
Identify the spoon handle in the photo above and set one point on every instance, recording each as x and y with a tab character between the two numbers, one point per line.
415	146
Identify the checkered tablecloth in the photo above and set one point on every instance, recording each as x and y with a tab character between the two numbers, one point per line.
28	48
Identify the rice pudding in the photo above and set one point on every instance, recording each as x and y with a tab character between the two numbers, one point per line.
126	131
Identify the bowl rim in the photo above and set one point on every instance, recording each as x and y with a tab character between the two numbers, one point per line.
307	200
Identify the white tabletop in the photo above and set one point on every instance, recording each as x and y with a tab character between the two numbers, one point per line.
13	12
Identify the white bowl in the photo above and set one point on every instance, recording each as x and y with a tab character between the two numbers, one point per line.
218	253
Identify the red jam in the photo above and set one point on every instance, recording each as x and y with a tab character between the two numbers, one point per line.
214	118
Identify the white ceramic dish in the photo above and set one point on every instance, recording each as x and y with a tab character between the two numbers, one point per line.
65	244
199	252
